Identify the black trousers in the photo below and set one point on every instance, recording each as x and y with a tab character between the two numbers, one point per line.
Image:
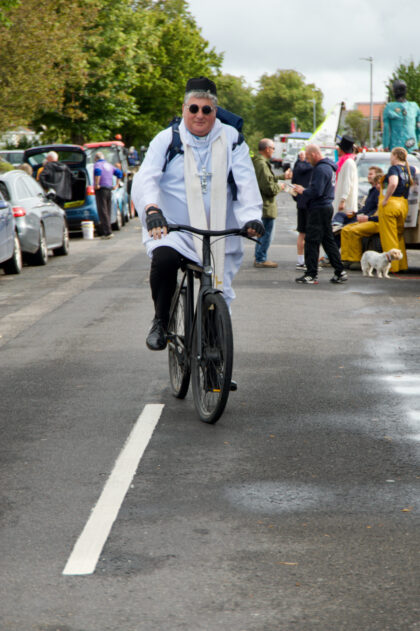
319	232
103	203
163	276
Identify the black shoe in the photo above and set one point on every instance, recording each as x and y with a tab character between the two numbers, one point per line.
156	340
339	278
233	386
307	280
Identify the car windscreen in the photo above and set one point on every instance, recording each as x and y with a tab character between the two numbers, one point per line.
363	167
110	154
73	157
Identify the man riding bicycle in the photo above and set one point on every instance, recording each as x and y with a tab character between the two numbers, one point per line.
192	188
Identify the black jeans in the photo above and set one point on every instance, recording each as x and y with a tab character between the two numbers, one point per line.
319	232
163	275
103	203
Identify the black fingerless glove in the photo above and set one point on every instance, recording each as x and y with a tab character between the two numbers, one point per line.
155	218
254	225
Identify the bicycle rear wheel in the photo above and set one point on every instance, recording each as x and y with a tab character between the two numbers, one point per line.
179	369
212	372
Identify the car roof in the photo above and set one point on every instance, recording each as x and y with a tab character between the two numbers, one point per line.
380	155
105	143
46	148
9	175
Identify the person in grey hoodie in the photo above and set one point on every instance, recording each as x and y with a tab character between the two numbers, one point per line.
319	196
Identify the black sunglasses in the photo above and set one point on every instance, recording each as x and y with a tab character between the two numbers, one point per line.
206	109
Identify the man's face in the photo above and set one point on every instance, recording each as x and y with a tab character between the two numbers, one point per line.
371	175
198	123
302	155
311	158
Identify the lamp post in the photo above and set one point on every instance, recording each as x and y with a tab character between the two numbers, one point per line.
370	60
314	104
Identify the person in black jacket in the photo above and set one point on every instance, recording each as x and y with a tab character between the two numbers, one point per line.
57	176
302	173
319	196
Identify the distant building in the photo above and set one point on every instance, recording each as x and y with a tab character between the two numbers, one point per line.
14	136
377	113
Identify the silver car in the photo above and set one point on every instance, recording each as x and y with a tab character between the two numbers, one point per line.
40	222
381	159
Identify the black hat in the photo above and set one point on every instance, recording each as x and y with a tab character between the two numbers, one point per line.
346	144
201	84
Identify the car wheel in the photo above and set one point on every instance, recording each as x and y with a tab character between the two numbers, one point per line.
41	255
64	249
14	265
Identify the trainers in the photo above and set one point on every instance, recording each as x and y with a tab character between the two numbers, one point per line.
156	340
265	264
339	278
307	280
301	266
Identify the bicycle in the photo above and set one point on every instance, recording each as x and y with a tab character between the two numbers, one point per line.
200	339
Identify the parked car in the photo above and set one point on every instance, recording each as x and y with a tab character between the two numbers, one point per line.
82	206
10	251
12	156
115	153
381	159
41	224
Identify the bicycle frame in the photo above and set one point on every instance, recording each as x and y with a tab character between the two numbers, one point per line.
206	284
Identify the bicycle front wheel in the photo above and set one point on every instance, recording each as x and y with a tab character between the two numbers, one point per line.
179	369
212	370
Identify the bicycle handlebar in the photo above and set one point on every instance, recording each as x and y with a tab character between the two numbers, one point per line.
209	233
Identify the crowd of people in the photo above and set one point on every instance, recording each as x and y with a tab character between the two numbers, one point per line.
193	187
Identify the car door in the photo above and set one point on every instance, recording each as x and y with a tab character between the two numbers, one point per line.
6	230
52	214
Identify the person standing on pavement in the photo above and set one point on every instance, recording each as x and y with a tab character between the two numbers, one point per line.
57	176
393	205
319	196
269	188
302	173
103	174
347	183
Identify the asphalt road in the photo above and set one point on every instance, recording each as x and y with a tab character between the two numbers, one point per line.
298	511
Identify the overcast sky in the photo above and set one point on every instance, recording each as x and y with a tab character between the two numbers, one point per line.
322	39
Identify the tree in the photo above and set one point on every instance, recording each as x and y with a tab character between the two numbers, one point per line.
34	76
100	103
6	5
176	51
357	126
410	73
284	96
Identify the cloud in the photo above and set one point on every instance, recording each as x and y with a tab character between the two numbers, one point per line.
323	40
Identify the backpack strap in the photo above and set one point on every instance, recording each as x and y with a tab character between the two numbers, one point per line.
231	179
175	146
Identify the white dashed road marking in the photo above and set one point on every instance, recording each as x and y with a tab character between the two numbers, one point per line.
88	547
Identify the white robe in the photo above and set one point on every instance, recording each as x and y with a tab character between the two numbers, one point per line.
167	191
347	187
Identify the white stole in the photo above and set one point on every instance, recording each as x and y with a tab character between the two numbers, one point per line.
218	199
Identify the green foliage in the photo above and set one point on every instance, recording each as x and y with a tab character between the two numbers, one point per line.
410	73
357	126
92	68
284	96
34	76
5	7
175	51
236	96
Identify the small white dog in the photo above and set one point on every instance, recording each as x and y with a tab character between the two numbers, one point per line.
380	261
